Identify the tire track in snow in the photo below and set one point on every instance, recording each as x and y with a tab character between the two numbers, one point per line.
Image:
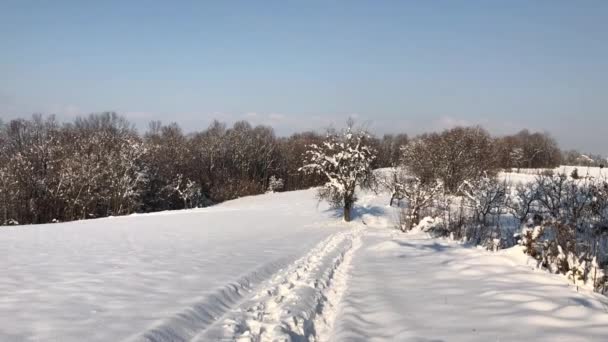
300	303
199	319
186	324
324	323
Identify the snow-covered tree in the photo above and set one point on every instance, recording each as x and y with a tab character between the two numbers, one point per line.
8	192
104	169
520	201
452	157
97	165
419	195
485	195
395	186
274	184
517	157
345	159
389	149
391	180
187	190
126	176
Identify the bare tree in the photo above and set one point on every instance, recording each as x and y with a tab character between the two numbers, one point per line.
520	201
453	156
419	195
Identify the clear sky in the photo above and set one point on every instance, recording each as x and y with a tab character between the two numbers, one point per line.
399	66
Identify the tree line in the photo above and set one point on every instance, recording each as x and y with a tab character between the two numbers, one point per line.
99	165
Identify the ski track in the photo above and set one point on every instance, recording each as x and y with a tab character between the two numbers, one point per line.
299	303
188	323
324	324
278	301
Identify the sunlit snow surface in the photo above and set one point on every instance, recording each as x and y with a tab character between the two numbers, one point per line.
277	267
415	288
108	279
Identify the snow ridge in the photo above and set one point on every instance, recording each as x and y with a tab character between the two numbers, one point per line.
300	302
185	325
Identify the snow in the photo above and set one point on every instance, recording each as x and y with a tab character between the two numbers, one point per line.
416	288
278	266
529	175
110	279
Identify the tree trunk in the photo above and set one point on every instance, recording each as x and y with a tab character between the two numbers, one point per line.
415	218
347	209
5	221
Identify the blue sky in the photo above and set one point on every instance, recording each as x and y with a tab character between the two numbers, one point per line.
399	66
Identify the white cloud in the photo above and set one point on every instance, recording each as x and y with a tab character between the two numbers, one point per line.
276	117
447	122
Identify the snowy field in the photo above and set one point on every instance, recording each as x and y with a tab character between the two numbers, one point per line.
277	267
529	175
414	288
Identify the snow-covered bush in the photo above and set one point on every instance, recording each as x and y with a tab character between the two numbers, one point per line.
345	160
566	203
573	236
450	209
564	221
8	191
529	239
486	196
274	184
599	233
429	224
418	195
541	243
520	201
11	222
554	252
551	193
599	206
391	181
187	190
